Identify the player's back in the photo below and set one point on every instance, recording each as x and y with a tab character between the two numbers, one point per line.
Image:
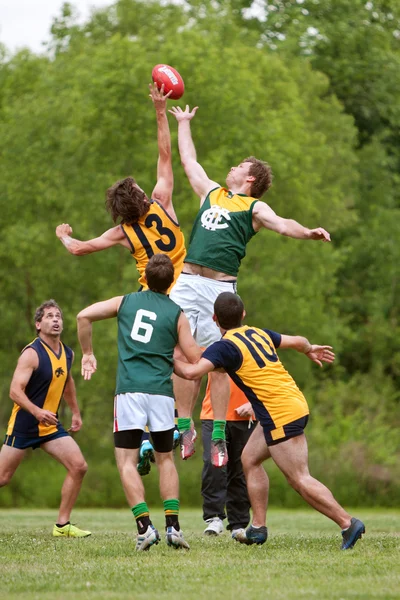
263	378
147	336
156	232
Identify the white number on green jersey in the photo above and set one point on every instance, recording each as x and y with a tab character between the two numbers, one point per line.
142	326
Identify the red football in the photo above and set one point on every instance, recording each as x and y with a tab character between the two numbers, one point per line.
164	74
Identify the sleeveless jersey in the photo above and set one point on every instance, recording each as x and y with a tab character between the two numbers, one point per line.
221	231
45	389
156	232
249	357
147	336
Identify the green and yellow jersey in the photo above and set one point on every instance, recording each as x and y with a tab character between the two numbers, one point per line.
147	336
221	231
45	389
248	355
155	233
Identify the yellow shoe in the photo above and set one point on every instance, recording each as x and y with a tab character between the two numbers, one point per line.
70	531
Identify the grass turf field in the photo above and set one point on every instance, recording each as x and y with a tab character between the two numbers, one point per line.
300	560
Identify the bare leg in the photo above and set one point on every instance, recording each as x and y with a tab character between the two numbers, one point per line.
127	459
291	457
220	390
68	453
254	453
10	459
186	393
169	481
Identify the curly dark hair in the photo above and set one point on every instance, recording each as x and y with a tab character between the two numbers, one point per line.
125	202
263	176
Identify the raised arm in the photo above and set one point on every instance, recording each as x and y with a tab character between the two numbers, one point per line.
96	312
264	216
197	176
27	363
317	354
165	178
109	238
190	349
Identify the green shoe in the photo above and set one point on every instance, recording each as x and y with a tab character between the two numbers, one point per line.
70	531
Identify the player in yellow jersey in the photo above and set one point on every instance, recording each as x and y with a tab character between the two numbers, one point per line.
42	377
228	219
147	225
248	355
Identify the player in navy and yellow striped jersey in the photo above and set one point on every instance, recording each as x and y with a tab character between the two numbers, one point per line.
42	377
248	355
147	226
228	219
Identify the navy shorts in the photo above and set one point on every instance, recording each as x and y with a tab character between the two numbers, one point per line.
281	434
23	442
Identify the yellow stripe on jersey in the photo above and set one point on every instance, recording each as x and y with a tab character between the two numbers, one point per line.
156	233
56	387
263	373
233	202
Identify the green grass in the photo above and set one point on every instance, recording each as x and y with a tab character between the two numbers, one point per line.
300	560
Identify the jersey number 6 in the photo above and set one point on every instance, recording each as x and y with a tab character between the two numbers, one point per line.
147	328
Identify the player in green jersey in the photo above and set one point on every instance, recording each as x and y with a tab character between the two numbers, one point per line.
228	218
150	325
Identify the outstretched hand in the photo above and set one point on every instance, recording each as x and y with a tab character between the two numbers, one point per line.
320	234
183	115
158	97
320	354
89	366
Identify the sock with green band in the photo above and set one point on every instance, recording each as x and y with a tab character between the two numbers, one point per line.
218	431
142	516
171	511
184	424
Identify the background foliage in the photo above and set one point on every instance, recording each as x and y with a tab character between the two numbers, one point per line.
312	86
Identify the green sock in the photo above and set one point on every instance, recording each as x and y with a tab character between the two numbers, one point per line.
184	424
140	510
171	511
218	431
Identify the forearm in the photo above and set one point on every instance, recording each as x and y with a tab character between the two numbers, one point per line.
302	344
293	229
70	399
19	397
184	370
187	149
76	247
85	334
163	136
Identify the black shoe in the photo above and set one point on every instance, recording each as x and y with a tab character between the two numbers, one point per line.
352	534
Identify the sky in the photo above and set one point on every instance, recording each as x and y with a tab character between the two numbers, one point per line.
28	22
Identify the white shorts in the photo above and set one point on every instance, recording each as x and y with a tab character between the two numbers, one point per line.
196	296
136	410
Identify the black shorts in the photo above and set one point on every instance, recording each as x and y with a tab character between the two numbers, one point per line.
281	434
163	441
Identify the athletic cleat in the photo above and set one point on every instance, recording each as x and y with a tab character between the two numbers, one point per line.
219	453
70	531
214	527
147	539
238	532
146	457
352	534
186	442
251	535
177	439
175	538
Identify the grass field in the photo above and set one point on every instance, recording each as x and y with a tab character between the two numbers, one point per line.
300	560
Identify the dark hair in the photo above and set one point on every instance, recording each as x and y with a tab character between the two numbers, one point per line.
159	273
39	314
228	309
263	176
124	201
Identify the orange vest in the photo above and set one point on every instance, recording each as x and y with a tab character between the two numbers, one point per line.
237	398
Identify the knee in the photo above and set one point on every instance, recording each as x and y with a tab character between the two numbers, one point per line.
298	482
79	470
5	478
